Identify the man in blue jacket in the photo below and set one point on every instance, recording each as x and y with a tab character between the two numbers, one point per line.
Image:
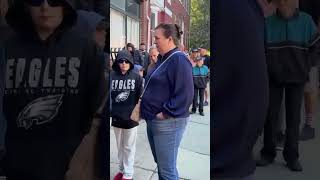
240	87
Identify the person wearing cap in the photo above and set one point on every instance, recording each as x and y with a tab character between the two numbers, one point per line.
55	84
193	55
126	88
200	77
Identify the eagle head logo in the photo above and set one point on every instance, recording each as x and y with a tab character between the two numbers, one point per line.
122	96
39	111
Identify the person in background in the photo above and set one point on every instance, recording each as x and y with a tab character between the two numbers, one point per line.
204	54
311	90
291	35
144	55
153	53
136	56
98	6
92	25
200	76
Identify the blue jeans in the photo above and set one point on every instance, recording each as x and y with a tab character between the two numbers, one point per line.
164	139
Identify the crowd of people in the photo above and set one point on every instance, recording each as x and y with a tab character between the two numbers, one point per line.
163	81
268	76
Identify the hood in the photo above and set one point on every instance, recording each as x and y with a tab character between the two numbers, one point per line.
87	22
124	54
20	21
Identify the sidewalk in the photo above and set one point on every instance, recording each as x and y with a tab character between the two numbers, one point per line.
193	158
309	158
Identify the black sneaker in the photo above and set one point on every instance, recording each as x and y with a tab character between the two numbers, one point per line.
307	133
205	103
294	166
264	162
201	113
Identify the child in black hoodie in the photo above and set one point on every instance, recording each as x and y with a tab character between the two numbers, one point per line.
126	87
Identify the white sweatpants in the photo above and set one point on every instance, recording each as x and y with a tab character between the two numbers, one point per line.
126	144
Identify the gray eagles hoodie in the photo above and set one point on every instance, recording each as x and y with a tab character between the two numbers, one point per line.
53	89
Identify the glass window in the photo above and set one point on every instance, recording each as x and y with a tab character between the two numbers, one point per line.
117	33
133	32
133	7
119	3
153	20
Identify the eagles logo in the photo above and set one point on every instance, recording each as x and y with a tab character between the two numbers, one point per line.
122	96
40	111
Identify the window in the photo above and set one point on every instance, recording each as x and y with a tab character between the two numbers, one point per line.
117	33
133	7
133	33
153	20
119	3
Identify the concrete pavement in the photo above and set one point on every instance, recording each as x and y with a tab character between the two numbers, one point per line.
309	158
193	158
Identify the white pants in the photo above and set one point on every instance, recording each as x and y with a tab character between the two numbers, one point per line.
126	144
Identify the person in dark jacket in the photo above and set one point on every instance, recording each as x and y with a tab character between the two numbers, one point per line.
126	87
240	87
55	82
98	6
165	103
136	56
291	38
145	57
200	78
93	25
312	7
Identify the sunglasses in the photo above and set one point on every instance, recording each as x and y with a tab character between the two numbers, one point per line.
52	3
123	61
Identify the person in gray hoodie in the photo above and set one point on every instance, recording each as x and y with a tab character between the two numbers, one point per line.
55	83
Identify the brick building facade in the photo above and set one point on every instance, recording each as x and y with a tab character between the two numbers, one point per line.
134	20
154	12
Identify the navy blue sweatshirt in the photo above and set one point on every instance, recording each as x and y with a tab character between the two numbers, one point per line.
240	86
170	89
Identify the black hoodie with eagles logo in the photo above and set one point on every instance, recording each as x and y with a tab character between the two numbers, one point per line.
53	89
125	92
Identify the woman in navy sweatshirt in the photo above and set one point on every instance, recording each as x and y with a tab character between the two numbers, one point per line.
166	100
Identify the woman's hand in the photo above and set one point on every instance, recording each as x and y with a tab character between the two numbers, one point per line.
161	116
